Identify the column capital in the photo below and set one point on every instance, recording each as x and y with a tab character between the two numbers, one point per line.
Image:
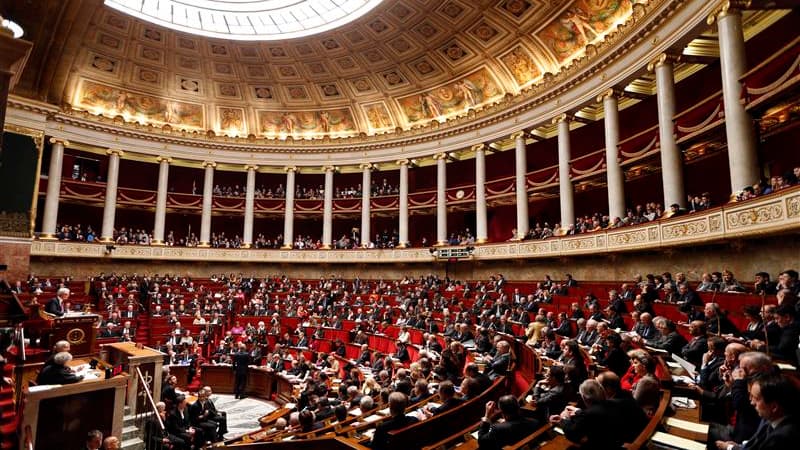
115	151
439	156
402	162
518	134
207	164
726	8
290	169
610	92
63	142
561	118
329	168
167	159
366	165
662	59
249	167
478	147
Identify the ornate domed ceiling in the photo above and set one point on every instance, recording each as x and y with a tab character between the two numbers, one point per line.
404	64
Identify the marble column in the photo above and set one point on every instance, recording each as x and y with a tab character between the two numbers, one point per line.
327	209
521	183
208	196
50	218
739	130
615	179
671	157
441	198
481	221
161	200
566	190
249	205
288	216
110	209
366	190
402	226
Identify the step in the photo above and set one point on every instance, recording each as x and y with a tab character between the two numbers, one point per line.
133	444
129	432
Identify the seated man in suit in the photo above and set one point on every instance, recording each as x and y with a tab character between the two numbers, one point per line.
156	437
776	398
56	305
200	417
499	365
179	423
58	372
447	395
397	407
511	430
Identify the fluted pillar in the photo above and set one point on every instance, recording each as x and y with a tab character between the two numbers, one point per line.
521	183
739	130
110	208
288	216
366	190
671	158
208	196
481	225
161	200
327	209
566	192
441	198
53	188
249	205
402	226
615	179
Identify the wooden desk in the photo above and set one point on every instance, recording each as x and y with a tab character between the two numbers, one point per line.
148	361
60	417
261	383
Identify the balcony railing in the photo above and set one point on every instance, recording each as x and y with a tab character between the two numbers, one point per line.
777	213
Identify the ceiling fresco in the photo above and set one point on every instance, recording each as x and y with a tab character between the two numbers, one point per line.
404	64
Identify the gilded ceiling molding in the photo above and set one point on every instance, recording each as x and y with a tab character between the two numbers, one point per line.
573	86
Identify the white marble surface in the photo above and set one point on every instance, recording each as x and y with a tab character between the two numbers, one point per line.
243	414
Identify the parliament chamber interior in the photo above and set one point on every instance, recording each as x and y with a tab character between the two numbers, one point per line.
399	224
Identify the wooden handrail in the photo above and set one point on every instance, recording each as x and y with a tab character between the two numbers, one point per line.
652	425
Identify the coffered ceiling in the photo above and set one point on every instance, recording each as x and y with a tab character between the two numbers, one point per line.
404	64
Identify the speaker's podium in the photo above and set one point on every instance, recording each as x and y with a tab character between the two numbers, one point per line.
135	358
60	416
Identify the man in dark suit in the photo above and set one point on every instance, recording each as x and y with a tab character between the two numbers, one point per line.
204	415
776	398
401	354
241	359
397	406
56	305
514	427
694	350
447	394
550	395
158	438
668	337
58	372
601	425
178	422
499	365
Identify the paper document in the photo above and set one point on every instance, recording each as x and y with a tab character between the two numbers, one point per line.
686	425
673	441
